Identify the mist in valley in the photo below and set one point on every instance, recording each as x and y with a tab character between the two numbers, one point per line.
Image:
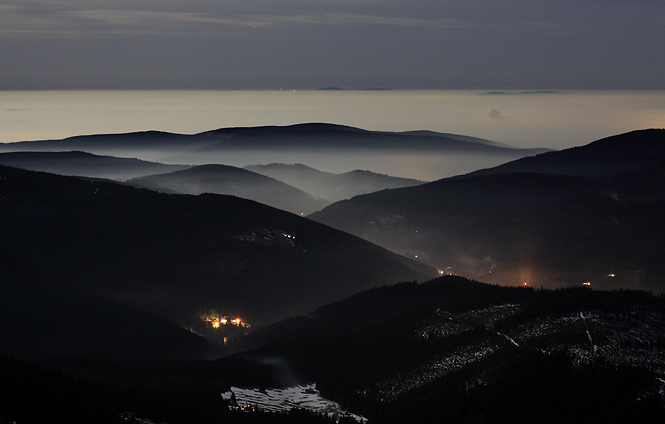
332	212
224	271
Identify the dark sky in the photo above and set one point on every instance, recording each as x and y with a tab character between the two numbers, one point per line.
246	44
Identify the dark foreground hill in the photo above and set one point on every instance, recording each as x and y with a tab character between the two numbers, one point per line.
174	256
447	350
599	219
330	186
45	317
223	179
106	392
454	350
419	155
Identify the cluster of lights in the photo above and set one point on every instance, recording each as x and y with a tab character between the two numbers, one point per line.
218	322
588	283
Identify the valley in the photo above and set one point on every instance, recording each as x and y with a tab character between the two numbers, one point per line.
332	212
279	292
589	214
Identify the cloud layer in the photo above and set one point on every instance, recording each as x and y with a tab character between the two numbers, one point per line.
305	44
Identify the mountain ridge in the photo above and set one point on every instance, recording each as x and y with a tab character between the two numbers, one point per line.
175	256
422	156
230	180
331	186
512	224
453	349
84	164
610	153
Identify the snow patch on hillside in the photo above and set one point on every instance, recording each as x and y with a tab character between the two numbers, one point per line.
282	400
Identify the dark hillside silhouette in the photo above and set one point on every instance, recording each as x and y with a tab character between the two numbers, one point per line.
331	186
174	256
223	179
459	350
590	214
83	164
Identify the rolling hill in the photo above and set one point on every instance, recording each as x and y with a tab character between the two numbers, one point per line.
83	164
44	317
455	350
183	179
602	158
424	156
446	350
223	179
601	221
330	186
176	257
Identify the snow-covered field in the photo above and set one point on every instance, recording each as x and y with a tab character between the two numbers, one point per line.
284	399
629	338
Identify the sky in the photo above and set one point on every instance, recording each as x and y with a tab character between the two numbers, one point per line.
308	44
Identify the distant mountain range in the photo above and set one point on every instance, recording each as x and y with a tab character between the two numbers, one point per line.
108	288
309	136
83	164
590	214
223	179
169	256
330	186
421	155
183	179
306	189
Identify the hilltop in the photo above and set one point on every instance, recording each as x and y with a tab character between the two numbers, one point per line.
590	214
331	186
223	179
419	155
